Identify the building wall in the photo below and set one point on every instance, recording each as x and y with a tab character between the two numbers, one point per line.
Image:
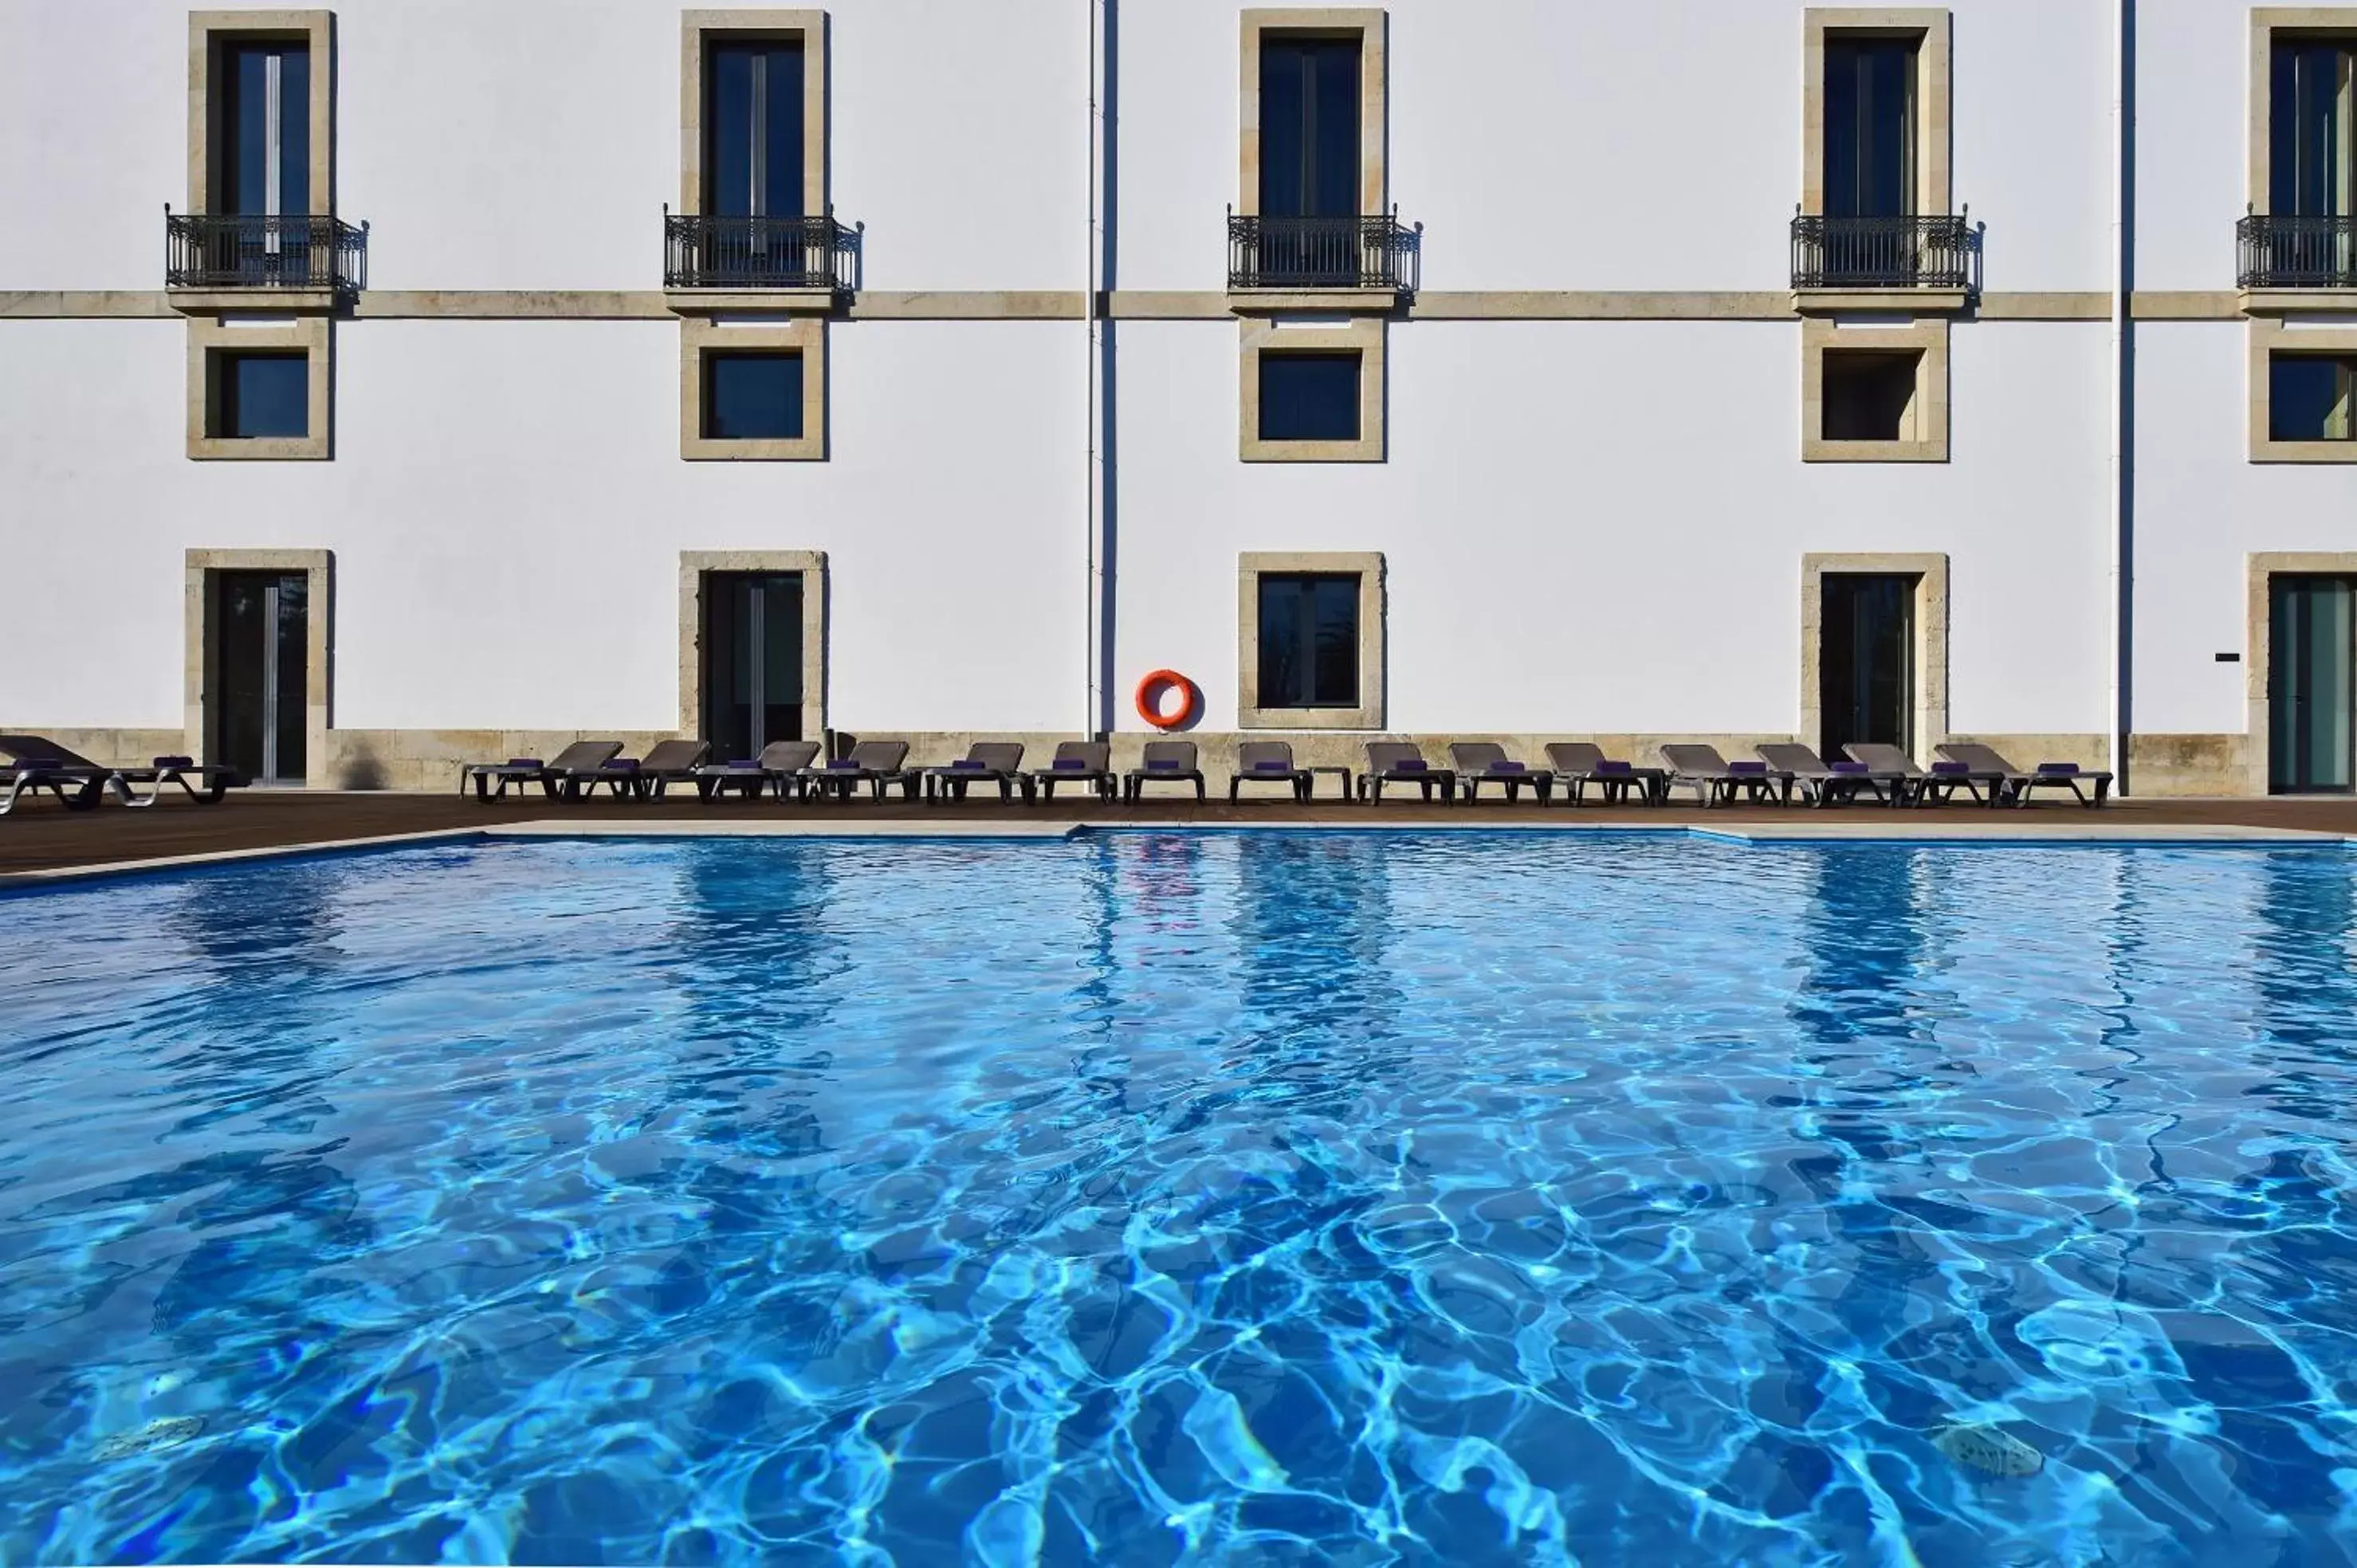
1590	526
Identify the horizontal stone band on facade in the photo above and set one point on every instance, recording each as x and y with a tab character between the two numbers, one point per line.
1122	305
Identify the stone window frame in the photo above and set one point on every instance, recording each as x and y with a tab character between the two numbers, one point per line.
196	654
1363	335
1926	333
2268	336
2260	568
1933	192
264	331
1373	599
208	31
1371	26
696	28
811	566
804	335
1931	623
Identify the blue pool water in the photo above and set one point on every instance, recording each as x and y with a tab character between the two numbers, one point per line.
1143	1199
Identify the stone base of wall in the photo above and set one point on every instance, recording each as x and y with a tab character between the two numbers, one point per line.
2162	765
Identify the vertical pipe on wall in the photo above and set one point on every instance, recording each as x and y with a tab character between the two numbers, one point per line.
1094	719
2120	713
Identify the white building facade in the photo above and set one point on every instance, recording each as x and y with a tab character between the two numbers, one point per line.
1528	369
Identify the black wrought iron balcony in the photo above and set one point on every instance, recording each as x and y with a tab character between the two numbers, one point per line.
2296	253
243	251
1372	253
705	252
1918	252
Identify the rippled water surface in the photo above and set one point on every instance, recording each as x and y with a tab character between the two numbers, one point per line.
1285	1198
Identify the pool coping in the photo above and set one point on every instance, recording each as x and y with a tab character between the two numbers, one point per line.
2160	835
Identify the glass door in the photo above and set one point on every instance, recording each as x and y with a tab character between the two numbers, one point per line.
261	673
2310	691
1865	656
1309	161
752	661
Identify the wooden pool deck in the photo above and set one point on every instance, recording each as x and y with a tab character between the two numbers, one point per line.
43	838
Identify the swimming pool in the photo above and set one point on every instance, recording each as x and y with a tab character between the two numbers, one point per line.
1158	1198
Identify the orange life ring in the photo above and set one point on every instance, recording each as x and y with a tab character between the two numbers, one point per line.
1152	687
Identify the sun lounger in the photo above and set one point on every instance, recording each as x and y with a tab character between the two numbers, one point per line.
1164	762
204	783
672	762
998	762
2048	776
76	789
34	762
1715	779
778	768
1821	785
1939	785
1574	765
492	778
1080	763
1480	762
875	763
1268	762
1397	762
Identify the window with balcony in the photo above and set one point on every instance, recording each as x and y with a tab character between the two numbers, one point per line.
2304	239
753	206
1874	209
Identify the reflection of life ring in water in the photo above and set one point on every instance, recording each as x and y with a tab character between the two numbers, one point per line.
1149	698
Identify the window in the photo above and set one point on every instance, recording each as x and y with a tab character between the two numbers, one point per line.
1310	641
1869	394
752	397
1309	396
1869	127
1309	126
753	387
1310	652
1874	387
2310	128
263	163
2309	397
753	129
259	386
259	395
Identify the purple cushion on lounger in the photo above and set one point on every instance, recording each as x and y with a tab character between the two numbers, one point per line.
1747	768
1162	767
1070	765
1850	767
512	762
173	762
842	765
1416	766
966	765
623	764
2058	767
1614	768
1272	768
1952	768
737	762
1506	768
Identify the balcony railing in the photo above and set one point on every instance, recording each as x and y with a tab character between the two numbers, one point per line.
705	252
1918	252
1372	253
2296	253
240	251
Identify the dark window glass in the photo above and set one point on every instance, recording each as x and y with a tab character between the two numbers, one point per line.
1868	393
752	652
753	130
244	161
2309	125
1310	641
261	394
1870	127
752	397
2309	397
1867	645
1308	397
1309	127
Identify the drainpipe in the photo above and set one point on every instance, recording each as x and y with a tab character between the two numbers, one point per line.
1094	721
2123	475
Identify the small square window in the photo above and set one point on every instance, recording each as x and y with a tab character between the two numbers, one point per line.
259	395
2309	397
1310	640
1309	396
1869	394
752	397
